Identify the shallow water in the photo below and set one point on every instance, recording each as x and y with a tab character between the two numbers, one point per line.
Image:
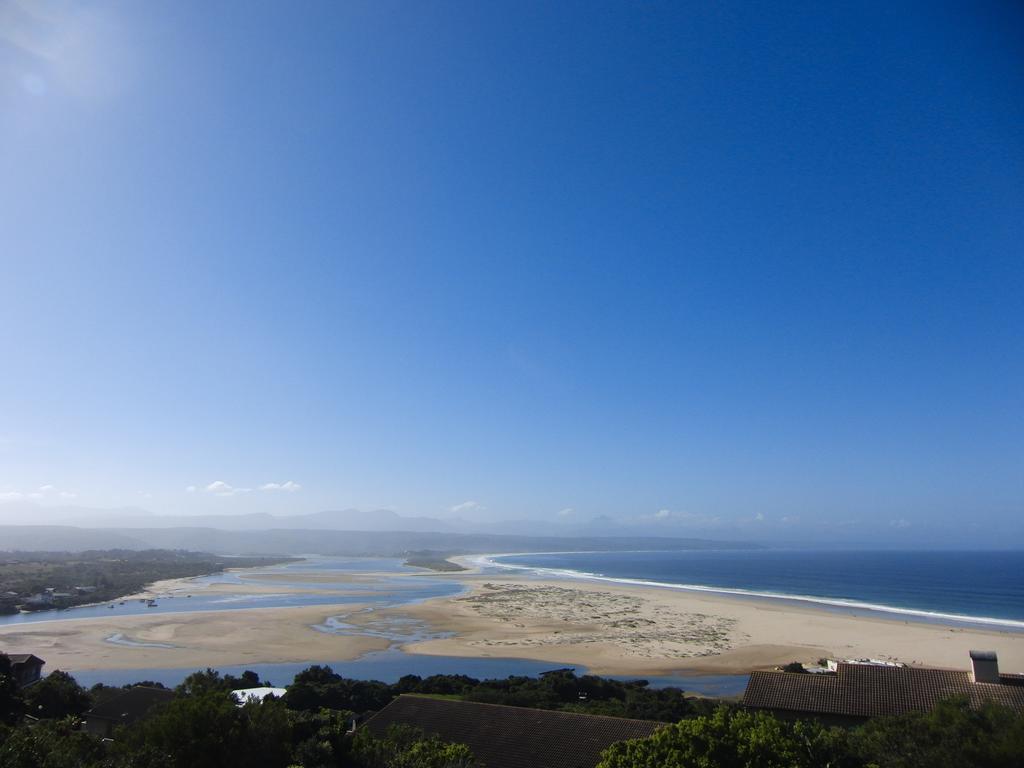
388	666
381	592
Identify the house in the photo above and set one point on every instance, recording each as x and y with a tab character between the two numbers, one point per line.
858	691
512	737
124	709
27	668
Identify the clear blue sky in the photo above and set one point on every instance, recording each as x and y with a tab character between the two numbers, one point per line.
712	266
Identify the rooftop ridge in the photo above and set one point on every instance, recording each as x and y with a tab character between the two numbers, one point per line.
529	709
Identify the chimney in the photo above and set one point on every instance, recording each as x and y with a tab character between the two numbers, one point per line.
984	667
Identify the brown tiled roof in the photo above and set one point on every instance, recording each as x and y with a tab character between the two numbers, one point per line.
513	737
861	690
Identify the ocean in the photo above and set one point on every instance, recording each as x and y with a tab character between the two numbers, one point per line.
975	587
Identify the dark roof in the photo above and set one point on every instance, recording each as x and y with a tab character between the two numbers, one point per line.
512	737
862	690
130	706
25	658
983	655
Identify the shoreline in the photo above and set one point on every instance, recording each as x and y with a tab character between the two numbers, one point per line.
603	625
477	564
613	628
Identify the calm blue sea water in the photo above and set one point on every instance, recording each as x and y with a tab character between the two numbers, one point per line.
936	585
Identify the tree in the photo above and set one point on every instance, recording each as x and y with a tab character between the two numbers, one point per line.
203	682
249	679
319	686
209	730
50	744
734	738
406	747
950	736
12	706
320	737
57	695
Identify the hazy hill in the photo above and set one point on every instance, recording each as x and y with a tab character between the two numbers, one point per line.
326	542
16	513
64	538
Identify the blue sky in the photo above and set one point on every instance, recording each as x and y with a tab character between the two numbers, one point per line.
706	266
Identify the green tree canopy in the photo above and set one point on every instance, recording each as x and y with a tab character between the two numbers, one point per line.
734	738
209	730
56	695
51	744
405	747
11	703
953	735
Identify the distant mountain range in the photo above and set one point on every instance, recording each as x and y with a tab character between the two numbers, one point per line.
332	532
133	517
296	541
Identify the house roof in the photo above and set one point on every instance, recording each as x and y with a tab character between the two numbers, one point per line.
24	658
512	737
861	690
130	706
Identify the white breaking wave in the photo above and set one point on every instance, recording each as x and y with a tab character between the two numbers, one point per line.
568	573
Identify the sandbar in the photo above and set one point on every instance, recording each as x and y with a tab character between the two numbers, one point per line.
197	639
627	630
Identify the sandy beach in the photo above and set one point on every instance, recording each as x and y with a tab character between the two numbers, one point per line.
612	629
189	640
607	628
179	588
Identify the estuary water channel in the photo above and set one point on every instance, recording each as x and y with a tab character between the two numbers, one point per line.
368	584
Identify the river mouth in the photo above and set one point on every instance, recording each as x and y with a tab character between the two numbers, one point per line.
383	583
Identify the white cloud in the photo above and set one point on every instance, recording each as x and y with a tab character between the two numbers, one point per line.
567	512
43	492
468	506
759	516
901	523
663	514
220	488
289	485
